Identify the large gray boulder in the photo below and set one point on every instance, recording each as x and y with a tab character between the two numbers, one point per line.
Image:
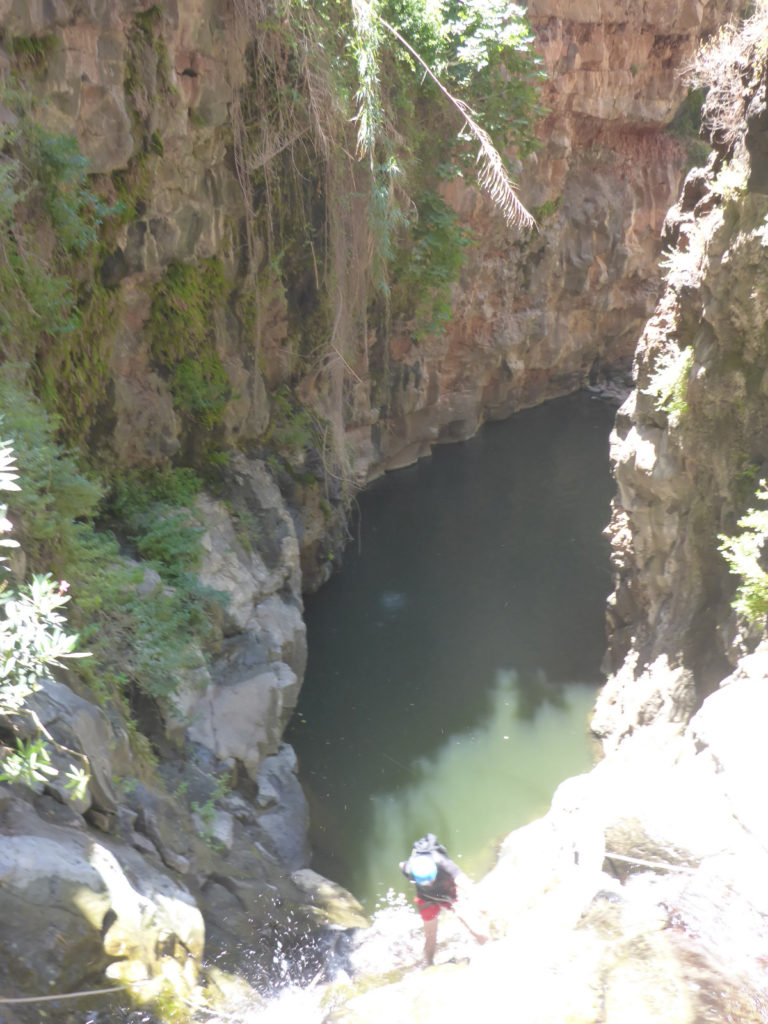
80	728
74	906
241	719
239	709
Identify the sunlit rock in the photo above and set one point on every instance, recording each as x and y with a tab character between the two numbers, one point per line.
235	567
240	707
633	698
729	731
331	903
74	908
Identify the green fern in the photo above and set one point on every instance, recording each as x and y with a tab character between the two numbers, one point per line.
668	384
744	554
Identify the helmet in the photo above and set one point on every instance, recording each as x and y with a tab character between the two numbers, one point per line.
422	868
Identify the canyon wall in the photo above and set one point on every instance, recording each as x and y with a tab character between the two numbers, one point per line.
691	442
150	93
540	316
642	890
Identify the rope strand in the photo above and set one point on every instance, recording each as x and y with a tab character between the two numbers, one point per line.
73	995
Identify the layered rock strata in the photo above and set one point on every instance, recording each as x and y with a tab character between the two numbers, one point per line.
534	317
541	316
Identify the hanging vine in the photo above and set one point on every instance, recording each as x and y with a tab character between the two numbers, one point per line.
334	134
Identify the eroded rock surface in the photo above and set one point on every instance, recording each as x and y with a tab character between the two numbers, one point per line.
535	317
638	895
147	872
541	316
689	447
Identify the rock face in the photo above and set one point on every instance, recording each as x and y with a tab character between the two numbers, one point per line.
78	905
627	901
147	88
148	93
240	710
138	879
138	883
640	894
541	316
691	441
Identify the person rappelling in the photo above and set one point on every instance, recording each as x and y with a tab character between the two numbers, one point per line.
440	885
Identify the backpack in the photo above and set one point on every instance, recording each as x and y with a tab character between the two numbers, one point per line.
428	844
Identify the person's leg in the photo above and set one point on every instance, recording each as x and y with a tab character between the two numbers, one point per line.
430	939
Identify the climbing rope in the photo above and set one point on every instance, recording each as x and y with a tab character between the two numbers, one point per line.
682	868
72	995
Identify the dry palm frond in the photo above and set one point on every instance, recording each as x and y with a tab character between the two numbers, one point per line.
725	65
492	174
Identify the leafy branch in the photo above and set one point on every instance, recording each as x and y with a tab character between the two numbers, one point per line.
492	174
32	641
744	554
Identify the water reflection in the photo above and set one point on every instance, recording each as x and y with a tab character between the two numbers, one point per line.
503	770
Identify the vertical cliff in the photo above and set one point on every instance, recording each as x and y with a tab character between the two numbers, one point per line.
188	285
690	445
229	190
541	315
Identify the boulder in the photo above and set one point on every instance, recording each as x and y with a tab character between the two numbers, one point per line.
83	728
285	821
243	719
77	905
164	822
332	904
57	901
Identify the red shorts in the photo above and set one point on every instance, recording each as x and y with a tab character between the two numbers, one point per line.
428	909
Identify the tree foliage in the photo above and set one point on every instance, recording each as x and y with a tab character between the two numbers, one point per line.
744	553
476	55
33	641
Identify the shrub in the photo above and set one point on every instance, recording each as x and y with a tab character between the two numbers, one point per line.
427	267
721	66
139	641
181	333
669	382
56	492
32	643
52	313
744	554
